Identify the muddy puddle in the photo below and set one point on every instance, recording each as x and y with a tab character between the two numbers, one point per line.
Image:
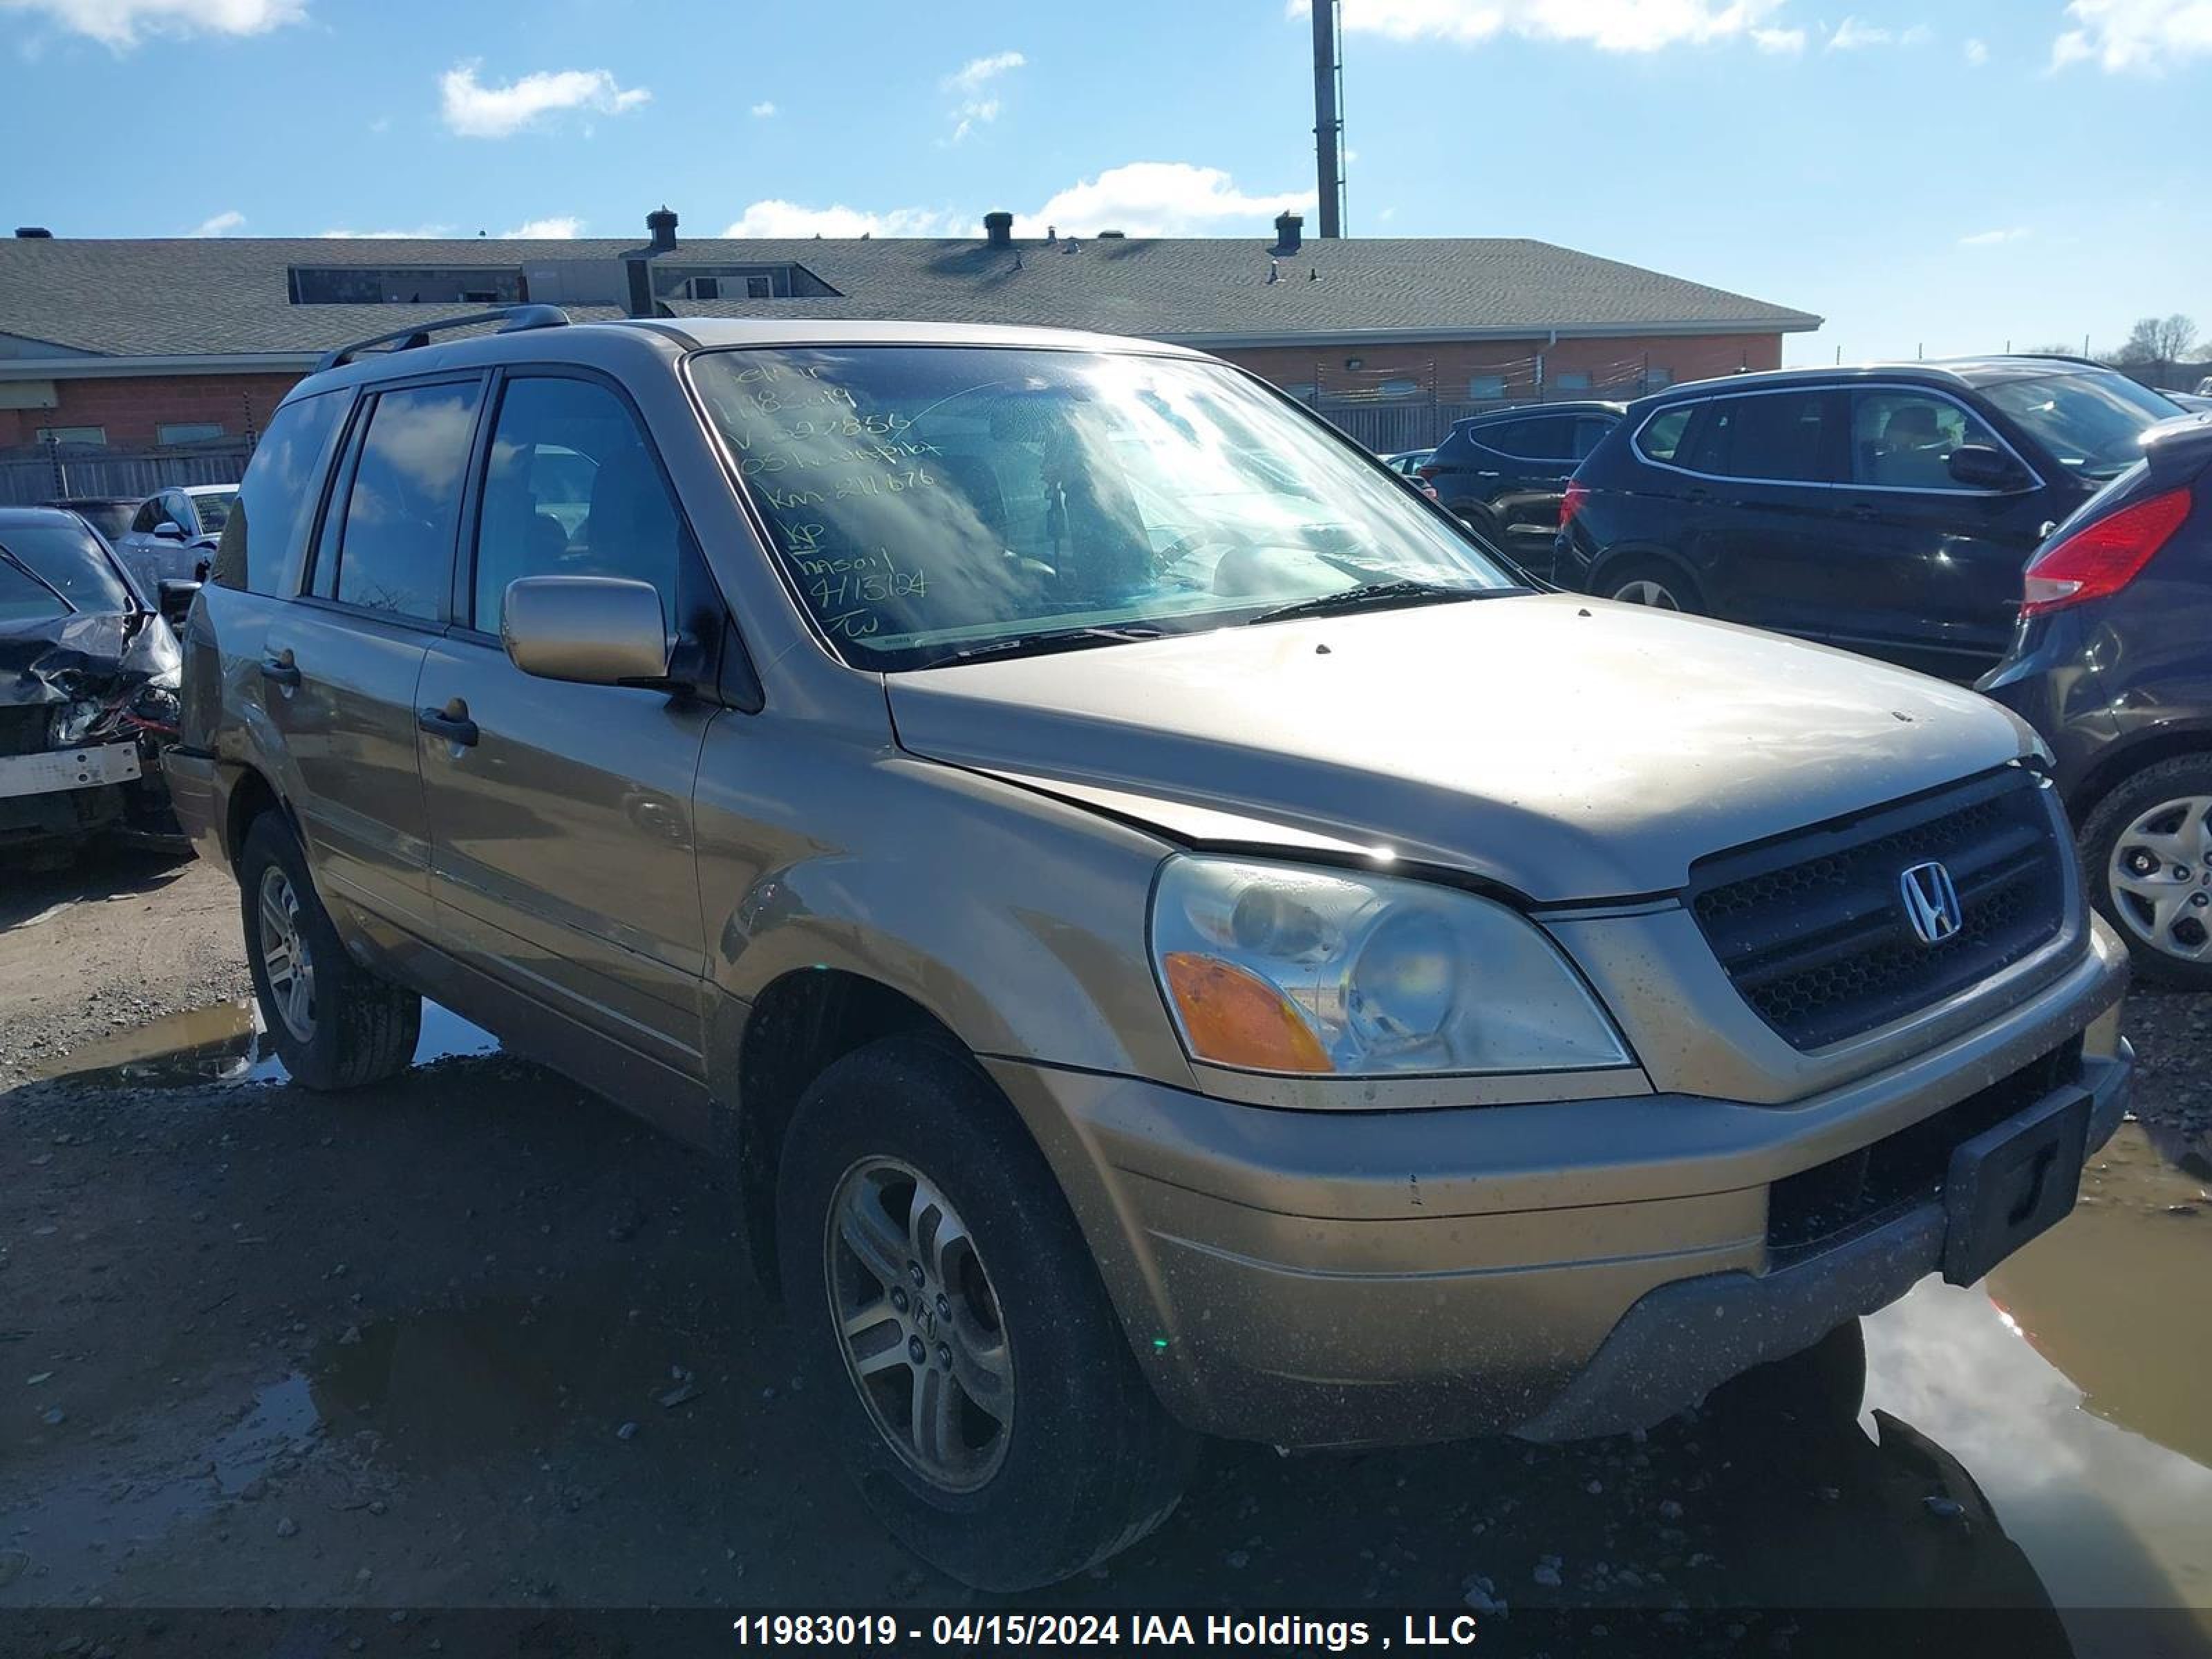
225	1043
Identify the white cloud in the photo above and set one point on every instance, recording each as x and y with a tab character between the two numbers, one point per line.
420	233
120	23
1608	25
1977	54
1143	199
1994	238
561	226
2134	35
777	217
974	106
1852	35
474	110
1157	198
220	224
765	108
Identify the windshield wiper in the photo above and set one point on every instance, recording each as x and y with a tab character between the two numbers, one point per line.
1055	639
1370	596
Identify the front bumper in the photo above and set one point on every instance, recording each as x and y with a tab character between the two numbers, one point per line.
1342	1277
197	795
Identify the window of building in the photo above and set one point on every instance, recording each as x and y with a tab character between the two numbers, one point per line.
1398	387
187	432
572	488
396	543
1572	381
759	288
1485	388
343	285
72	434
706	288
1656	379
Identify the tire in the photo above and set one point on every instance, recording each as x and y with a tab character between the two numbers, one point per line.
1086	1461
1481	519
2162	813
1824	1383
341	1027
1648	582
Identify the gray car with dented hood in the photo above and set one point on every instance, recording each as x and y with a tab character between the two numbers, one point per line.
1167	935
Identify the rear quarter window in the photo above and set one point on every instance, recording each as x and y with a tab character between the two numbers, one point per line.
1662	437
282	485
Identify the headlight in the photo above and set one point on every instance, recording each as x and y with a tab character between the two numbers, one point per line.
1276	968
72	722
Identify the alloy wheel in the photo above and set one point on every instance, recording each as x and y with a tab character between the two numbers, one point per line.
2160	875
1644	591
284	955
919	1324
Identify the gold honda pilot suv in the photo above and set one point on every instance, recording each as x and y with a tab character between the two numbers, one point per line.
1170	933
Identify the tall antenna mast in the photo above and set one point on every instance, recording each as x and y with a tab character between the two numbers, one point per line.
1329	114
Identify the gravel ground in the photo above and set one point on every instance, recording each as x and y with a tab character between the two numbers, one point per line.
472	1339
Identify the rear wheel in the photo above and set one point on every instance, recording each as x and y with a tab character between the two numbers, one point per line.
951	1318
1647	582
2147	855
336	1024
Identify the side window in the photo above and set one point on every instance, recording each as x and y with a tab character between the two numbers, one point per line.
1533	439
571	489
1589	432
1662	437
396	543
1903	440
1781	437
148	515
282	485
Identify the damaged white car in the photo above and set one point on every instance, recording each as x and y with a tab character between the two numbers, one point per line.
87	691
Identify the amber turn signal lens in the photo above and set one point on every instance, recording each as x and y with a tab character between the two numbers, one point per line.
1233	1018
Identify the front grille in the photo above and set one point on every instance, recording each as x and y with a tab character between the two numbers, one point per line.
1811	928
1819	1208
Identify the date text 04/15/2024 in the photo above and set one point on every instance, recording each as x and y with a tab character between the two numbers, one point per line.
1022	1630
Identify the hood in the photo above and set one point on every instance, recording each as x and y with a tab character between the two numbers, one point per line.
1567	748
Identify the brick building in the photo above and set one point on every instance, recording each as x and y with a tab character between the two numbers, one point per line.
131	345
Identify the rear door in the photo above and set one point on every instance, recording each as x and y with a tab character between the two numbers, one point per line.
1525	466
1943	559
340	663
560	824
1761	511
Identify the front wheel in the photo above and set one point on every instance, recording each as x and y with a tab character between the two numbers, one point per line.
952	1318
2147	855
336	1024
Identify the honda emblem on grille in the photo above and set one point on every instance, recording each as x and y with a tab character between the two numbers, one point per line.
1931	902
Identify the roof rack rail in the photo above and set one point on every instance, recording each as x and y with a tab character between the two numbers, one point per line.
512	318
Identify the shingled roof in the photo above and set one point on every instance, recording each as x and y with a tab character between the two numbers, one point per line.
231	296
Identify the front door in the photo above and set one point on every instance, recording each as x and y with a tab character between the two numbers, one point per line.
1944	559
340	664
562	848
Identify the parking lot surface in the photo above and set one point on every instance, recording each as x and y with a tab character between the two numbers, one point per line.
475	1339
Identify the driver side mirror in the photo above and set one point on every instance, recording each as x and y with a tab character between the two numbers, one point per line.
587	631
169	530
1980	467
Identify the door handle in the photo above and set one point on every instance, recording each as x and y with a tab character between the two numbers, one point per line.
1863	511
279	669
451	723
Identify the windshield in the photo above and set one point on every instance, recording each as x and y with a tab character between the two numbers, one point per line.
111	519
64	556
2092	423
934	502
214	510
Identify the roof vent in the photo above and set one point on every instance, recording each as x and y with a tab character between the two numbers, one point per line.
1288	228
661	222
999	229
1112	236
33	234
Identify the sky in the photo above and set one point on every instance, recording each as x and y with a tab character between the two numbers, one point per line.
1935	176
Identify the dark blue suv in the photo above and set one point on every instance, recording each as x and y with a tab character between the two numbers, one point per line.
1888	509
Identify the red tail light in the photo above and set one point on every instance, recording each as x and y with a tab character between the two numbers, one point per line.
1428	469
2102	558
1572	502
